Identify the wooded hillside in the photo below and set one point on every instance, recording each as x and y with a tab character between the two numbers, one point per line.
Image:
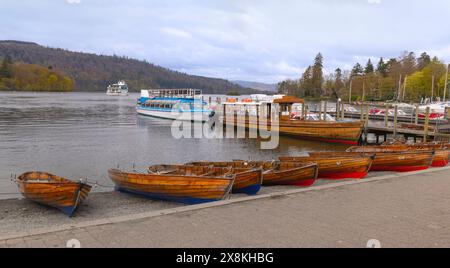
92	72
30	77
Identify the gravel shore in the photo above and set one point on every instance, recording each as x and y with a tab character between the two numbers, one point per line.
21	215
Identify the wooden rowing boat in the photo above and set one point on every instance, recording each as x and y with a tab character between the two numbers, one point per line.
275	172
327	131
247	180
333	132
337	167
389	161
54	191
441	156
182	185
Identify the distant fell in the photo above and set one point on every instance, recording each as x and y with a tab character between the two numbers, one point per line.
93	72
257	85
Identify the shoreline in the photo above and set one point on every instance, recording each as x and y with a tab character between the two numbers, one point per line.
23	218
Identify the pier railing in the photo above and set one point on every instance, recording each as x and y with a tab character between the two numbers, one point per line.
413	124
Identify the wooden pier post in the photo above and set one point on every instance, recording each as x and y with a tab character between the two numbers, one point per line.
395	120
426	125
303	111
361	108
320	110
350	91
416	120
366	124
338	109
386	115
325	111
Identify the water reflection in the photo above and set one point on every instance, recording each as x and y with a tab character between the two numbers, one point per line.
81	135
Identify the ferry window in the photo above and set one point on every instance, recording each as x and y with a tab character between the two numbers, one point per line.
197	106
185	106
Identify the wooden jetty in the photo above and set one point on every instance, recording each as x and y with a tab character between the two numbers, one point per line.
394	126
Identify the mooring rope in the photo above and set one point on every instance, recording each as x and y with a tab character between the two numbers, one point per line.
10	193
103	186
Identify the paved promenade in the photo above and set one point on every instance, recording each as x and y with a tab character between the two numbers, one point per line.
399	211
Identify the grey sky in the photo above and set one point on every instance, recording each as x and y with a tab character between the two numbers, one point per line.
256	40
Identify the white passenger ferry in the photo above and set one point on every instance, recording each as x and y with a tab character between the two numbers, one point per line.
119	89
174	104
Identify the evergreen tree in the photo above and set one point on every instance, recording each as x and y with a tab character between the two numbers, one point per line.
306	82
5	69
357	70
317	75
408	63
382	68
392	65
338	83
423	61
369	67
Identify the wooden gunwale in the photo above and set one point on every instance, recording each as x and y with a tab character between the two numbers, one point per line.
336	131
388	159
51	190
274	172
186	186
337	167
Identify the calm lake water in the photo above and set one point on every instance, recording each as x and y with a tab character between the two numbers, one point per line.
82	135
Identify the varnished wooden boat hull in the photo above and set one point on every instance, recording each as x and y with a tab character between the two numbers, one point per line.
279	173
292	174
247	180
442	152
337	167
54	191
327	131
390	161
188	189
441	158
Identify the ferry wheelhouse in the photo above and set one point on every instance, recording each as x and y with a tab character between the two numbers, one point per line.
174	104
118	89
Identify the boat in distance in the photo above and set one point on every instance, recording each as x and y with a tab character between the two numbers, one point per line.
336	167
118	89
174	104
184	185
277	116
390	161
54	191
248	180
275	172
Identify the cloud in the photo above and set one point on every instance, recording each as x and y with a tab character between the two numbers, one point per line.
176	32
261	40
